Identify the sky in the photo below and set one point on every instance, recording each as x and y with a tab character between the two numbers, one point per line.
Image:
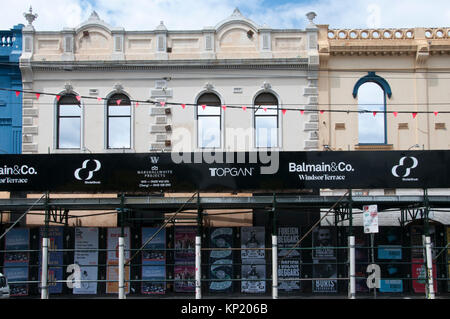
54	15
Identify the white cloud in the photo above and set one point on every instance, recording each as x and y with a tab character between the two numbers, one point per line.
54	15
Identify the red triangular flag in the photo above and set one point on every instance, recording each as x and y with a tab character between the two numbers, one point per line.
183	106
244	108
78	98
17	93
137	104
284	111
99	99
302	112
414	115
224	107
203	106
118	102
58	97
374	113
265	109
435	113
321	111
38	95
395	114
162	103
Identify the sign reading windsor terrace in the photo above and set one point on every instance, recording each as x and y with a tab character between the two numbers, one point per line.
174	172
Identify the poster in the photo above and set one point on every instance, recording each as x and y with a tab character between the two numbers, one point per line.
289	267
391	285
324	241
153	261
184	278
55	258
252	237
86	256
221	261
253	273
370	219
419	275
112	277
112	271
389	252
15	266
326	270
185	244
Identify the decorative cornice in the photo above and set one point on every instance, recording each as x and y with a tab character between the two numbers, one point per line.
298	64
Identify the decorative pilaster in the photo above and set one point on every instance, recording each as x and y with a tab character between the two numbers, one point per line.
160	118
30	112
312	91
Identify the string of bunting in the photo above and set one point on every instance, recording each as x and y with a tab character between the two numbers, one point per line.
224	107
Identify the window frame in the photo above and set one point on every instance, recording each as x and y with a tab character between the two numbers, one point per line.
371	77
59	117
258	106
199	116
111	101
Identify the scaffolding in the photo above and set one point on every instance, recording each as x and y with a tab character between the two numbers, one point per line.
58	210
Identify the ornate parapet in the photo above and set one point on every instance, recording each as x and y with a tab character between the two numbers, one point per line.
419	42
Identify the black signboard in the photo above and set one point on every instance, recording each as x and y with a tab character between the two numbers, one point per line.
175	172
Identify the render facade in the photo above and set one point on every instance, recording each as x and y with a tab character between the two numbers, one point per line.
384	89
237	64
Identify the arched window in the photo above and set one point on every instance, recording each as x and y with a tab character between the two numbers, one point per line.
118	115
371	92
68	122
266	120
209	121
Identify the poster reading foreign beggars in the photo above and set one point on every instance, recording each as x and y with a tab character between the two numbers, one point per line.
289	267
112	273
184	270
55	258
86	256
15	266
221	270
153	261
253	261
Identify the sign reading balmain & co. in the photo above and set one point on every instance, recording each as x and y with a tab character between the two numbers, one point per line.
250	171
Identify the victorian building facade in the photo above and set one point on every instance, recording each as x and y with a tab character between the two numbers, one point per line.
236	64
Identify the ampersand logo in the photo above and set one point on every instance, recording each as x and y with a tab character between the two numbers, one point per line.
404	167
87	171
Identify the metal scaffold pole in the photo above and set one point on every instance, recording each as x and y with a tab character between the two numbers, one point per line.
45	244
428	253
351	246
198	249
274	250
122	252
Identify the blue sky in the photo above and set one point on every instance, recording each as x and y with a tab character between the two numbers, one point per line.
195	14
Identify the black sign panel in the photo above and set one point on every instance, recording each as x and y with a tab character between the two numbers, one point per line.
174	172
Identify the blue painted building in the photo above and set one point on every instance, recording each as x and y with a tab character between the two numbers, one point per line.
10	79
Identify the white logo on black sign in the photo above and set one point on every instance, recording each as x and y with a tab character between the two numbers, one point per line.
404	167
154	159
90	170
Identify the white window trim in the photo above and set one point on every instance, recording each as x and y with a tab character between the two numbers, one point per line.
55	127
197	148
279	146
105	126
